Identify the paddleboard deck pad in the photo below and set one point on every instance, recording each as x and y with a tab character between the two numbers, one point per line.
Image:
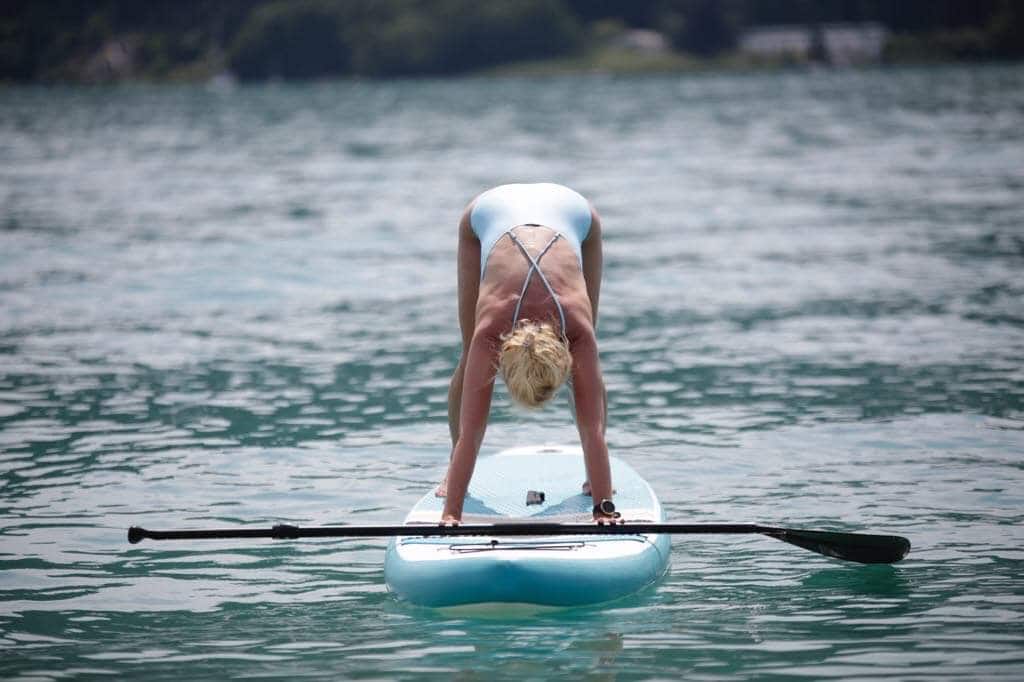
558	571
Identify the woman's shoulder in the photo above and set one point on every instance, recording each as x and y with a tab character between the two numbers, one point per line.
492	318
579	322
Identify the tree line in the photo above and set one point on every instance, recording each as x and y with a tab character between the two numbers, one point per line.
261	39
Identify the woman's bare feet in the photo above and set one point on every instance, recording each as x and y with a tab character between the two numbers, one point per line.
442	488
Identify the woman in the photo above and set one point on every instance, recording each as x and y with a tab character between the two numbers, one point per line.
529	280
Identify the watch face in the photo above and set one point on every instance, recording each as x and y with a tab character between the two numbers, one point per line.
607	507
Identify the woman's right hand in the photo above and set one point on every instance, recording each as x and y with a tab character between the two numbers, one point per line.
602	519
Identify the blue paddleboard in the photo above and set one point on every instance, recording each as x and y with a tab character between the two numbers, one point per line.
558	571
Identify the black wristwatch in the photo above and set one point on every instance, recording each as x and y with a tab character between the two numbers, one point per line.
607	508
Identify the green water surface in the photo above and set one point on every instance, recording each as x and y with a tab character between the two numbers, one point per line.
236	305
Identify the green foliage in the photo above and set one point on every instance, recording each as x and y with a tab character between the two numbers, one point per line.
1007	29
291	40
702	27
480	34
396	37
1001	36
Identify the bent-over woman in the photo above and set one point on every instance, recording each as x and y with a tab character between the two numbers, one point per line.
529	277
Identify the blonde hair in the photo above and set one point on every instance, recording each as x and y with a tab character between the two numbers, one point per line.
534	361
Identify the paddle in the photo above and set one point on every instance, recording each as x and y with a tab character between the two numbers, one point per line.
859	547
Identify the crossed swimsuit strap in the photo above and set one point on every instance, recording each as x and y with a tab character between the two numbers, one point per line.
535	267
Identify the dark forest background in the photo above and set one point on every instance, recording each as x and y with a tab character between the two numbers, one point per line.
97	40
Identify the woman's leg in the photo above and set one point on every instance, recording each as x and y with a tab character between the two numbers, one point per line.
593	262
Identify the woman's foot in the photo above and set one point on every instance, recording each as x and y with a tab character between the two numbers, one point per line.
442	488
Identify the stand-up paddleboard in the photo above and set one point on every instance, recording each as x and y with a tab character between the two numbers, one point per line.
565	570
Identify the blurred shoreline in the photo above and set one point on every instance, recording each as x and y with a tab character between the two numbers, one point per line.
204	41
600	61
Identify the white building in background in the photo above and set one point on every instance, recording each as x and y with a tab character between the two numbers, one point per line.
643	41
839	44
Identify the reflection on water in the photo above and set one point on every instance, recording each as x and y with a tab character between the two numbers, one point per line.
237	306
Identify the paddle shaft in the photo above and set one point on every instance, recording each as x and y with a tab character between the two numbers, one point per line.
858	547
289	532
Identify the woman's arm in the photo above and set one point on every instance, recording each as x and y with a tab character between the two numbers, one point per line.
469	290
477	389
588	392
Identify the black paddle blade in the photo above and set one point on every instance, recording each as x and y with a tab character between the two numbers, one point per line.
859	547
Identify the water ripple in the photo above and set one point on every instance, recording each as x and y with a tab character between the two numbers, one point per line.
238	308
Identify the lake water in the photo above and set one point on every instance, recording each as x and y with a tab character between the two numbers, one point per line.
227	306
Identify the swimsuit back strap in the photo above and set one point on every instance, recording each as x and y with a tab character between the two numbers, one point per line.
535	267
